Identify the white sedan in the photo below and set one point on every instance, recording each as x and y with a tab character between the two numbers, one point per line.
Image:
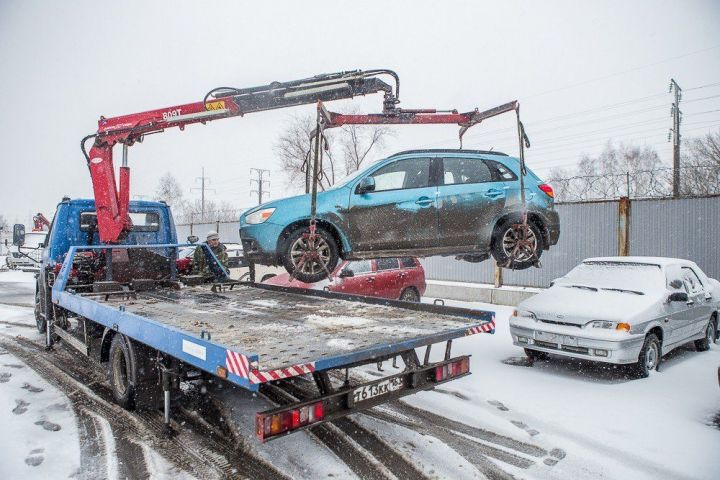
622	310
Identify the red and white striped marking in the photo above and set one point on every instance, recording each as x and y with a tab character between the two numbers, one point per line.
257	376
484	328
239	364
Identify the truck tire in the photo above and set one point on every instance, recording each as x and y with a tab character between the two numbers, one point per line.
296	245
703	344
121	372
649	357
505	237
39	320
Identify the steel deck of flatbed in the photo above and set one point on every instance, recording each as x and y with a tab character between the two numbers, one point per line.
261	333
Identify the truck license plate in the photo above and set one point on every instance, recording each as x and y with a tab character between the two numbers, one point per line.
370	391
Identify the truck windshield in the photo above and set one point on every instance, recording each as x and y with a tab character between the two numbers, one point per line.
633	277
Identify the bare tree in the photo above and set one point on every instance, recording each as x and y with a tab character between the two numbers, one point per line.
700	165
169	191
3	223
354	143
223	211
625	170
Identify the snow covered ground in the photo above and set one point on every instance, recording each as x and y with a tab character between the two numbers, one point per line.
587	420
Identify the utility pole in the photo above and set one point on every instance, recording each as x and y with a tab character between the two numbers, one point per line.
202	189
677	117
260	182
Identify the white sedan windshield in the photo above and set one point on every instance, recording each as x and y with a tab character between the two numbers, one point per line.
631	277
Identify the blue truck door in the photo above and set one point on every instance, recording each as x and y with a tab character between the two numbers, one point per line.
402	211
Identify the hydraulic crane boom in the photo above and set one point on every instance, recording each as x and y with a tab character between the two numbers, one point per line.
112	203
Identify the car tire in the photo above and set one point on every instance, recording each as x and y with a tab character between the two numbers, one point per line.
312	271
121	372
649	357
703	344
39	320
410	294
535	355
502	245
267	277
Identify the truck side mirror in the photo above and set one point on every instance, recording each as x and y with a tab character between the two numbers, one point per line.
19	234
192	239
678	297
367	184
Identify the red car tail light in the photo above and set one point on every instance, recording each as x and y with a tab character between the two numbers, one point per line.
547	189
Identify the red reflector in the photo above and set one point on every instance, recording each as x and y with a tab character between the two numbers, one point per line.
547	189
453	369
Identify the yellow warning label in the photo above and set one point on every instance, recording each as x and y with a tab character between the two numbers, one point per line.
218	105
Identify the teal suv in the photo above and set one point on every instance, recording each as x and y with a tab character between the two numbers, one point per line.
465	203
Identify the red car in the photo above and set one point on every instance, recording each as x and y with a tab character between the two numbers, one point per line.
392	278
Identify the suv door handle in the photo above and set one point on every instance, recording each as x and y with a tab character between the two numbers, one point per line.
424	201
494	192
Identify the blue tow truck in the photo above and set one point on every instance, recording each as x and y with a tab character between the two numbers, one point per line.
125	305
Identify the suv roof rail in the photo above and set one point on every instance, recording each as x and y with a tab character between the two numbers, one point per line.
450	150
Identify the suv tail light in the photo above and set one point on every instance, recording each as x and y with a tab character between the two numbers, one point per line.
547	189
452	369
268	426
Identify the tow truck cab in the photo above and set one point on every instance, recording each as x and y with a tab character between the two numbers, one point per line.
75	224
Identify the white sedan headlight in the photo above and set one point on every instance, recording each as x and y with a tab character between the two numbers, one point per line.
601	324
524	314
260	216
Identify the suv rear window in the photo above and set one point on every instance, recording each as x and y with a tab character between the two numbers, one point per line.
142	221
500	172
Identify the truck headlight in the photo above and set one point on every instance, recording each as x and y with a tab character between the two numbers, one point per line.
260	216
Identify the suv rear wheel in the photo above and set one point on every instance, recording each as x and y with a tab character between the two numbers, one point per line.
516	246
410	295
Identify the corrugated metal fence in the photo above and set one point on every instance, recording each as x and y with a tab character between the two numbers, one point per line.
683	228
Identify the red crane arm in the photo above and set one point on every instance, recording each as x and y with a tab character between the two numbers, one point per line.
112	203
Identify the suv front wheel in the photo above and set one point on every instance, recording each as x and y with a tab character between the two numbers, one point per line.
307	258
516	246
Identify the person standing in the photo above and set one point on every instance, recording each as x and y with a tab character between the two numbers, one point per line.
200	264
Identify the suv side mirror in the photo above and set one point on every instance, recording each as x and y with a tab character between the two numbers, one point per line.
192	239
367	184
19	234
678	297
346	272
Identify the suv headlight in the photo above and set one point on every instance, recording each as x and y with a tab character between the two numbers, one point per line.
260	216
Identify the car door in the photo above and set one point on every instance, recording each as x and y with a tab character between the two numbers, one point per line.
361	282
700	307
470	197
388	276
400	214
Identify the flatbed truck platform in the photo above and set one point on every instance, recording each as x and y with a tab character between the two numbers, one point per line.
251	334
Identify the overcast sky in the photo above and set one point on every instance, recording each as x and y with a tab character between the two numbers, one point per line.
583	72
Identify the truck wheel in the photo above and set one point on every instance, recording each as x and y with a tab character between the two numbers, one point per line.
39	320
649	357
410	295
121	372
703	344
515	247
311	270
